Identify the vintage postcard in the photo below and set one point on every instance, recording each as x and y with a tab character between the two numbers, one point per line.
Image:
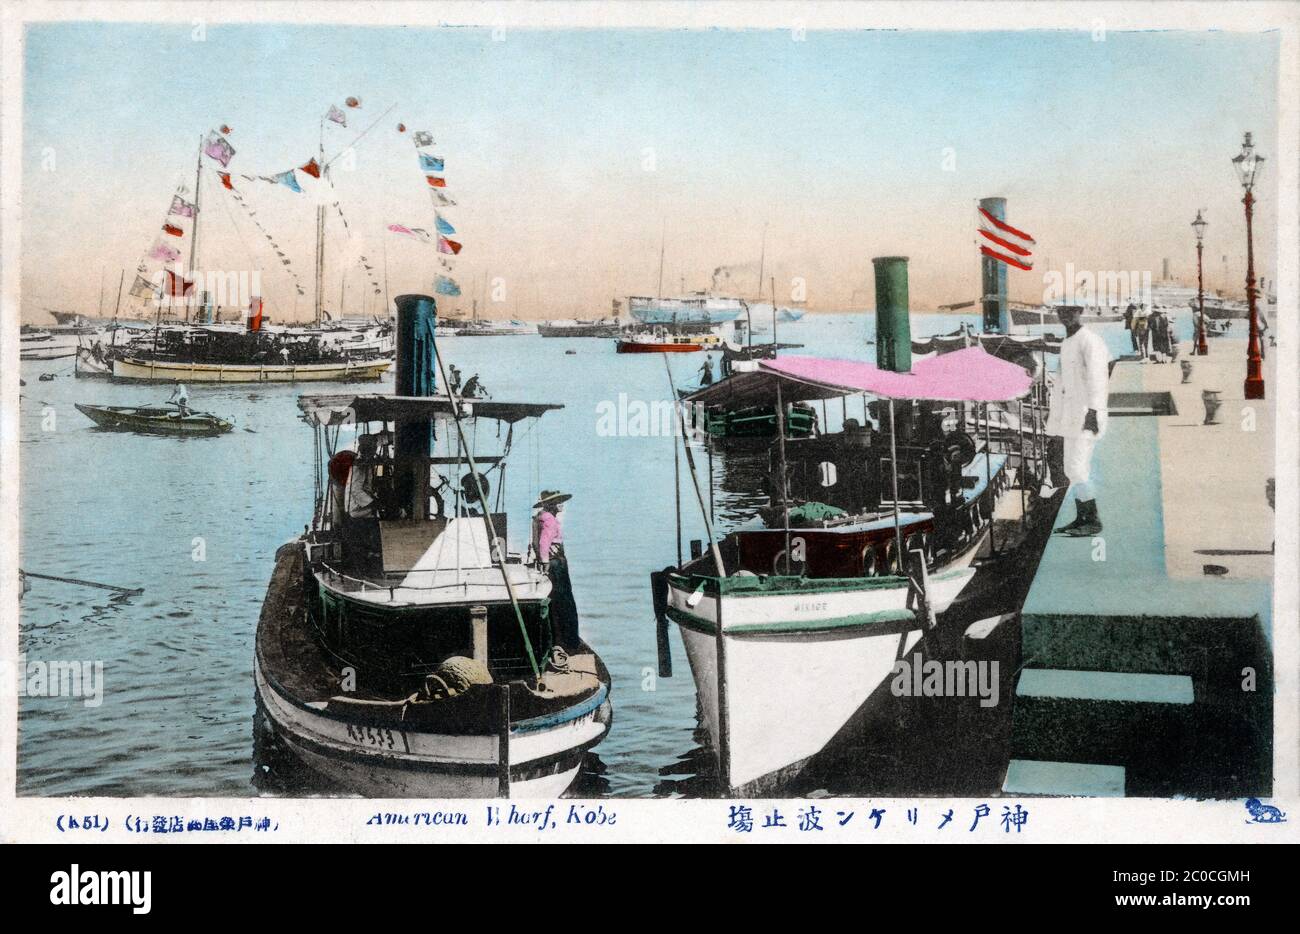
644	422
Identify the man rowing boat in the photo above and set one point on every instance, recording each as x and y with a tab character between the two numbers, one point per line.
181	399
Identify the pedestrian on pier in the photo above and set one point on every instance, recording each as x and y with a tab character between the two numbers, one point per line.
1141	332
1078	413
1158	325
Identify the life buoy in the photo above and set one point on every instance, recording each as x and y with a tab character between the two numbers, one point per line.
796	567
469	489
886	558
340	466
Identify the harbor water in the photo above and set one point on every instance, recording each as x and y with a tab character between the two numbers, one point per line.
196	523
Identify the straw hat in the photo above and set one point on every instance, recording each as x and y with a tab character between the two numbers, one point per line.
551	498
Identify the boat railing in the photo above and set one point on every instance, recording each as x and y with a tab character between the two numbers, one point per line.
353	583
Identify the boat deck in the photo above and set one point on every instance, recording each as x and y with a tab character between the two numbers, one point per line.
298	667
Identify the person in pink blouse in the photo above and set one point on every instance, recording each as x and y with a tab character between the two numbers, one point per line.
548	550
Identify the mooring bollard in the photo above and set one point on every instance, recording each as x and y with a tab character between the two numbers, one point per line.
1212	402
1187	370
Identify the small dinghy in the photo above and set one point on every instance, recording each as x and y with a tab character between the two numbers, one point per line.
155	420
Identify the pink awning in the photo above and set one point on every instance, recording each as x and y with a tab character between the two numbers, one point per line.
969	375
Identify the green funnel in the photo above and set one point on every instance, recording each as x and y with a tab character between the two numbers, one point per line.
893	327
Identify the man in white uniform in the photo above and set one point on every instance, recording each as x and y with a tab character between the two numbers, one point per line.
1078	413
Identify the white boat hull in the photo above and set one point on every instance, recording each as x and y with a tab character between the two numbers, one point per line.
138	368
787	696
798	665
408	764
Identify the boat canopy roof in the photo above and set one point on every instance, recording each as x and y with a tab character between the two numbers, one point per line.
343	408
969	375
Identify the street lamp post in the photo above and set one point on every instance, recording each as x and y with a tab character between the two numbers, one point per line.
1199	226
1247	163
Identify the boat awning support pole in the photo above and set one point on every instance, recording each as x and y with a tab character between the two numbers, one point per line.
785	486
487	510
922	581
988	480
1020	418
695	480
893	472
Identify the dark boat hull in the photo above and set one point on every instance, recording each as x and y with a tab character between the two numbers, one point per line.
157	421
460	748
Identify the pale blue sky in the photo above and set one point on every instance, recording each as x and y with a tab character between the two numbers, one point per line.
1104	149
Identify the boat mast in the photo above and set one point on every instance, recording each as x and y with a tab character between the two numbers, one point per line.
773	280
194	233
320	230
785	476
659	289
118	306
101	292
386	302
762	255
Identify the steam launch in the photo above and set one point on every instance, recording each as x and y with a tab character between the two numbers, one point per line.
403	648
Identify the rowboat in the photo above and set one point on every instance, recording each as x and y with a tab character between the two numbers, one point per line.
403	649
154	420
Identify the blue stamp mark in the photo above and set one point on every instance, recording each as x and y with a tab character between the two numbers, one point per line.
1261	813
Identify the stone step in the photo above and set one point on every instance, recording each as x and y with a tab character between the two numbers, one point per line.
1083	779
1121	686
1142	722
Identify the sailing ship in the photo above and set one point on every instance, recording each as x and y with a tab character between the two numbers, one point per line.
791	622
698	310
225	353
469	683
200	348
